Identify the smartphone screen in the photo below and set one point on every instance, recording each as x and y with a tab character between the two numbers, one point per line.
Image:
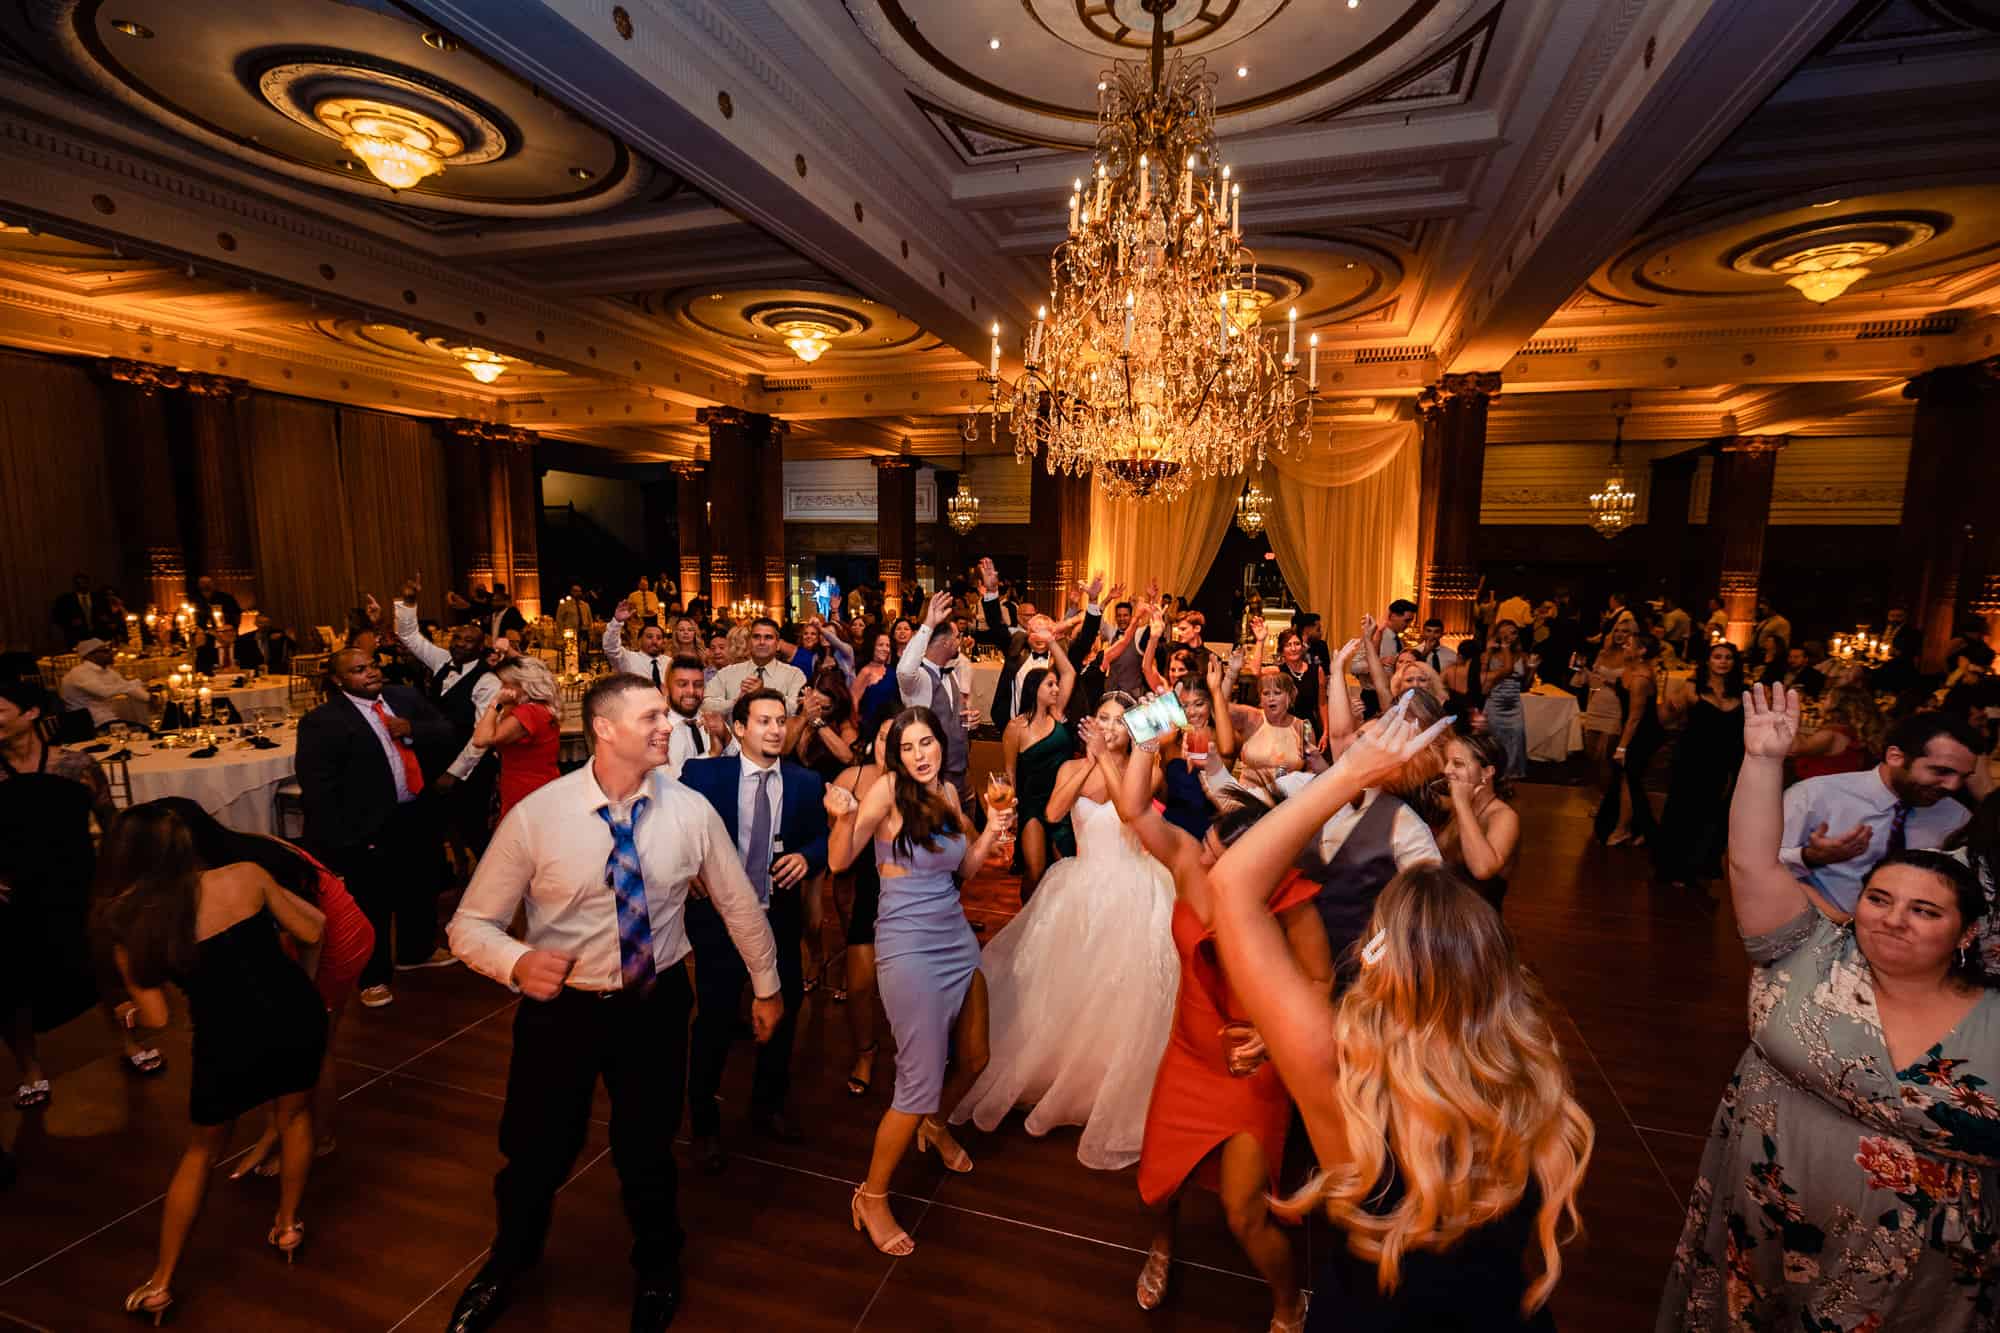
1156	717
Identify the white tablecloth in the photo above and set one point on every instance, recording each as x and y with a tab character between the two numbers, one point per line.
1554	725
264	692
236	786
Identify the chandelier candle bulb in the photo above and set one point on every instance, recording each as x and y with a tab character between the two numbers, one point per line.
1187	187
1075	201
1103	184
1292	337
1236	212
1145	182
993	364
1312	363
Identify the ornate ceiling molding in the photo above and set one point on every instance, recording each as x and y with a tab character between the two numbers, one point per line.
1448	78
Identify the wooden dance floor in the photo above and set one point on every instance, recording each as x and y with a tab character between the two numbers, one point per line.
1651	985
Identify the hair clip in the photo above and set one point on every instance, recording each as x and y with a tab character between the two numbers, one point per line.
1372	952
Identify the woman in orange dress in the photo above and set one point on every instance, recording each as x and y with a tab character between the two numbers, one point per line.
1217	1108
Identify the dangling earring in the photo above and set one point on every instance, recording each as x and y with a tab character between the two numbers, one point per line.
1961	957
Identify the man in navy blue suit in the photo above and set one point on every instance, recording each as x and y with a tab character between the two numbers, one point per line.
772	808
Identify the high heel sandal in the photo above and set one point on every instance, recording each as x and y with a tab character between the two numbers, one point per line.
296	1233
150	1302
897	1245
857	1086
928	1132
1153	1278
1290	1325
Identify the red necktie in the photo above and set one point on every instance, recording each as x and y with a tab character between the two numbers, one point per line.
413	772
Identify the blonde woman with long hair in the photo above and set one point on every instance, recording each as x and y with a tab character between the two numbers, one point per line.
524	726
1450	1145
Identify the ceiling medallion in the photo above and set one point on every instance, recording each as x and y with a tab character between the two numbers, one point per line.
402	125
483	365
1612	509
1149	358
1823	260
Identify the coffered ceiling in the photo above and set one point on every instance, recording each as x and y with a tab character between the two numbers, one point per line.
637	207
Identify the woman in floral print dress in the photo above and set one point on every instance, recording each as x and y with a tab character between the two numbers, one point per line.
1850	1180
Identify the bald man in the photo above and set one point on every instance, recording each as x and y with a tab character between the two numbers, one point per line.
367	758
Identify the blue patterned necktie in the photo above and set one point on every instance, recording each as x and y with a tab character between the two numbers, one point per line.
1898	839
628	883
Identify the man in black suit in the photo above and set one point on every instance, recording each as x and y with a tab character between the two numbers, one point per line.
365	758
75	613
1032	653
772	809
266	647
503	619
208	599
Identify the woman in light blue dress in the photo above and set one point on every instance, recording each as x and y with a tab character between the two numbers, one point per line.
926	956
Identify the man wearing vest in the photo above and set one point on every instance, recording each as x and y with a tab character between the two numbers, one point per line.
925	678
461	685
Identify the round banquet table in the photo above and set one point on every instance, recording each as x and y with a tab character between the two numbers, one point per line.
263	692
1554	725
236	785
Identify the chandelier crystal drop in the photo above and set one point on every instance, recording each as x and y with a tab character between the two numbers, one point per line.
1613	508
1150	368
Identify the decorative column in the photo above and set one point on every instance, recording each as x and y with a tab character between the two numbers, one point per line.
524	512
769	482
144	495
494	501
1452	414
1739	509
216	460
691	526
1945	544
896	530
732	557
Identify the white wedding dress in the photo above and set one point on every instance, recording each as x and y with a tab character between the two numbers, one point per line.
1082	987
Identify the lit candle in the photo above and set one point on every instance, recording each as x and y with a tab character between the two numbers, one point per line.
993	362
1312	362
1075	202
1145	182
1128	323
1222	324
1035	348
1236	211
1292	337
1187	186
174	680
1103	184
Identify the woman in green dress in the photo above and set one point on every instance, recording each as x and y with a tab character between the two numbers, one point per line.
1035	746
1849	1183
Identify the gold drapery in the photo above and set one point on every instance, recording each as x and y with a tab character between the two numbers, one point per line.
1174	542
392	470
1348	548
55	496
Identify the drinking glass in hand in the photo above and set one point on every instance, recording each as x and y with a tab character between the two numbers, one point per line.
1000	796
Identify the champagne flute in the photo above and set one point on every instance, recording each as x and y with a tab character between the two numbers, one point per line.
1000	796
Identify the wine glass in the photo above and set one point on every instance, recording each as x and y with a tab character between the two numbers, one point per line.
1000	796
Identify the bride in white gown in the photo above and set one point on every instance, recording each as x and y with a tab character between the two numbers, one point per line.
1081	984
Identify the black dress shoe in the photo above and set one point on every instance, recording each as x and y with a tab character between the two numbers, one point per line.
708	1154
479	1306
654	1303
776	1127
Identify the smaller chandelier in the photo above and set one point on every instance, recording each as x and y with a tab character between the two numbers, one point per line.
399	147
1612	509
481	364
1822	272
962	509
808	339
1250	509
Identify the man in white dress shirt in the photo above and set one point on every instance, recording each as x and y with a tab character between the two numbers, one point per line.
697	735
925	678
604	985
109	697
761	671
651	661
1838	826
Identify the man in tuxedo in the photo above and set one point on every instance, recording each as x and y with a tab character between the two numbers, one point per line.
365	759
503	620
771	808
1033	653
266	647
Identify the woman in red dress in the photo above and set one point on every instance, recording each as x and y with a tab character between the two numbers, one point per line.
1217	1108
344	947
524	726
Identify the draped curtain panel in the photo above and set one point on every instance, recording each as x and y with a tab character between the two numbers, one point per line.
392	474
1175	542
1343	456
1347	549
55	495
300	513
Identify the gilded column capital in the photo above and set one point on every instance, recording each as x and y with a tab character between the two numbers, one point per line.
1959	385
1472	384
1753	444
721	418
150	379
488	432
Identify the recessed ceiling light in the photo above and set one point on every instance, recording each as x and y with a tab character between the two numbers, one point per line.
131	29
440	41
993	45
1350	263
582	173
1242	71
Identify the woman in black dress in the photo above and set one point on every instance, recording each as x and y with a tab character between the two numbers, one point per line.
1689	848
1442	1051
823	738
259	1025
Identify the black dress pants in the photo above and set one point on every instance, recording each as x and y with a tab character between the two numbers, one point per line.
638	1046
719	978
395	880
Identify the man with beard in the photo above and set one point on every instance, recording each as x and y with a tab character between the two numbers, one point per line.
695	736
1838	826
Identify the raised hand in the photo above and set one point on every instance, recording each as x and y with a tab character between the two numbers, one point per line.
938	611
1770	721
1214	674
1382	749
1094	589
1347	651
989	577
411	587
622	613
1095	743
1368	634
371	606
1257	630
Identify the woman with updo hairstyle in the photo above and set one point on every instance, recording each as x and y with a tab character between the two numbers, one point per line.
1483	838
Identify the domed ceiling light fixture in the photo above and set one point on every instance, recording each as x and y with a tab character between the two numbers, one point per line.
1825	271
481	364
399	146
807	338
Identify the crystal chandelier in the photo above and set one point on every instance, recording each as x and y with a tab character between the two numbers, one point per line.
1250	508
1611	509
962	509
399	146
1149	368
808	339
481	364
